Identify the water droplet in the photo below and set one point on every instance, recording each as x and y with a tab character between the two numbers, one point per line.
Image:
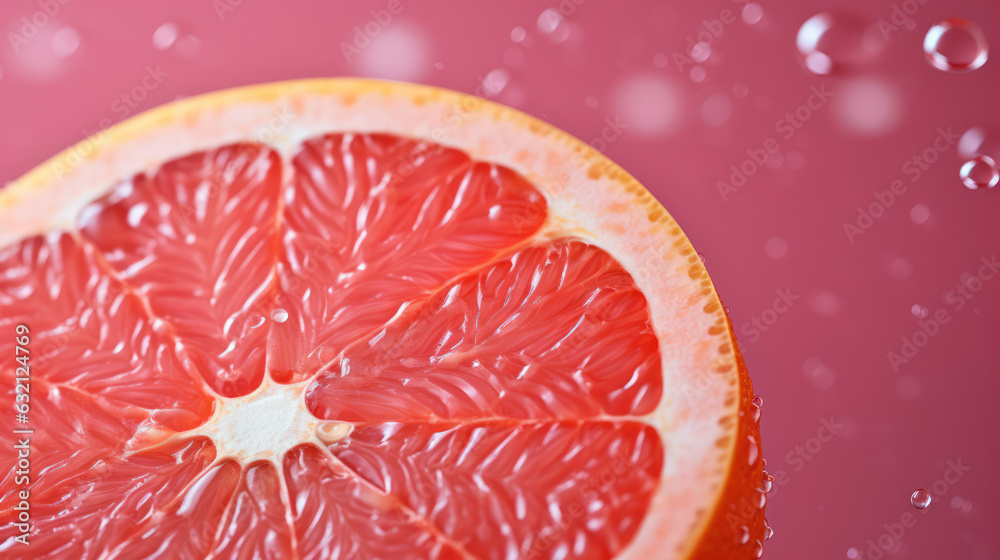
701	51
518	34
921	499
768	532
852	552
279	315
759	549
900	268
701	258
744	534
439	65
826	303
920	213
401	51
752	452
171	36
651	104
495	81
766	482
165	35
660	60
869	106
697	74
919	311
549	20
830	44
971	141
776	248
955	45
716	109
758	401
160	327
821	375
963	505
65	42
979	173
740	90
752	13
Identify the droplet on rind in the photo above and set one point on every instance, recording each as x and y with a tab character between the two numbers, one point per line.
920	499
279	315
758	401
766	482
979	173
955	45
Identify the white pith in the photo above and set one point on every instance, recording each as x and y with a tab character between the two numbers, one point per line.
266	423
688	421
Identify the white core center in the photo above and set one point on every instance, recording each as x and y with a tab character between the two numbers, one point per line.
263	424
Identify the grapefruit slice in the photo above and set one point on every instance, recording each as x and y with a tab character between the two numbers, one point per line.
355	319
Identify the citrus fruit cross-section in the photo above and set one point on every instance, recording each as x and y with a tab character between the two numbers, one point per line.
355	319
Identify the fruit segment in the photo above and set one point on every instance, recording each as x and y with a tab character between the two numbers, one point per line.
336	515
88	331
108	501
189	527
555	331
516	490
255	526
197	241
373	222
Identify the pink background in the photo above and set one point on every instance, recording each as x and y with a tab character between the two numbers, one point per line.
822	358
